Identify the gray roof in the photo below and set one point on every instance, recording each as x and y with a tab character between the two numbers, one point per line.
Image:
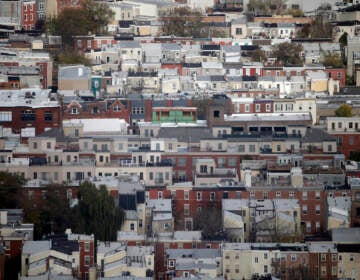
317	135
170	47
346	235
74	72
35	247
193	253
185	134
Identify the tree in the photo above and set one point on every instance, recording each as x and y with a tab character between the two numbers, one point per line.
333	61
52	215
90	17
288	53
183	22
344	110
96	213
10	190
343	40
258	55
266	7
208	220
321	28
71	57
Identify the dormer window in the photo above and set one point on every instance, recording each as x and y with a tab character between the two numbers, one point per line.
74	111
116	108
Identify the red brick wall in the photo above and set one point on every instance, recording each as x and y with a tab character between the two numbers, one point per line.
40	124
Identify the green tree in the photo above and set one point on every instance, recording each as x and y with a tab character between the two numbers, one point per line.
52	215
71	57
10	190
321	28
333	61
90	17
183	22
344	110
288	53
258	55
209	221
96	213
265	7
343	40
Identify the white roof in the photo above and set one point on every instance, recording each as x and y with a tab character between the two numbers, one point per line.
234	204
99	125
269	117
35	247
27	97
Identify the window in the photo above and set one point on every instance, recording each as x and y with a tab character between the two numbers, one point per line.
171	263
265	269
304	209
317	195
252	195
182	162
334	271
231	161
268	107
308	226
48	116
247	107
257	107
186	195
5	116
35	145
334	257
186	209
265	195
265	256
351	140
74	111
251	148
323	257
293	257
317	210
86	246
212	196
256	260
220	147
238	31
323	270
198	196
28	115
132	226
304	195
160	195
241	148
87	260
291	194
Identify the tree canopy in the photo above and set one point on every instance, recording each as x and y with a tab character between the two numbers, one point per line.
344	110
265	7
333	61
183	22
90	17
288	53
96	213
208	220
10	190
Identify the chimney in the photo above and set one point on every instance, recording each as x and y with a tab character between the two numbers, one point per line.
247	178
3	217
296	177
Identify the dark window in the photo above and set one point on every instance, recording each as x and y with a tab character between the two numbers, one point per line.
216	114
28	115
48	116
